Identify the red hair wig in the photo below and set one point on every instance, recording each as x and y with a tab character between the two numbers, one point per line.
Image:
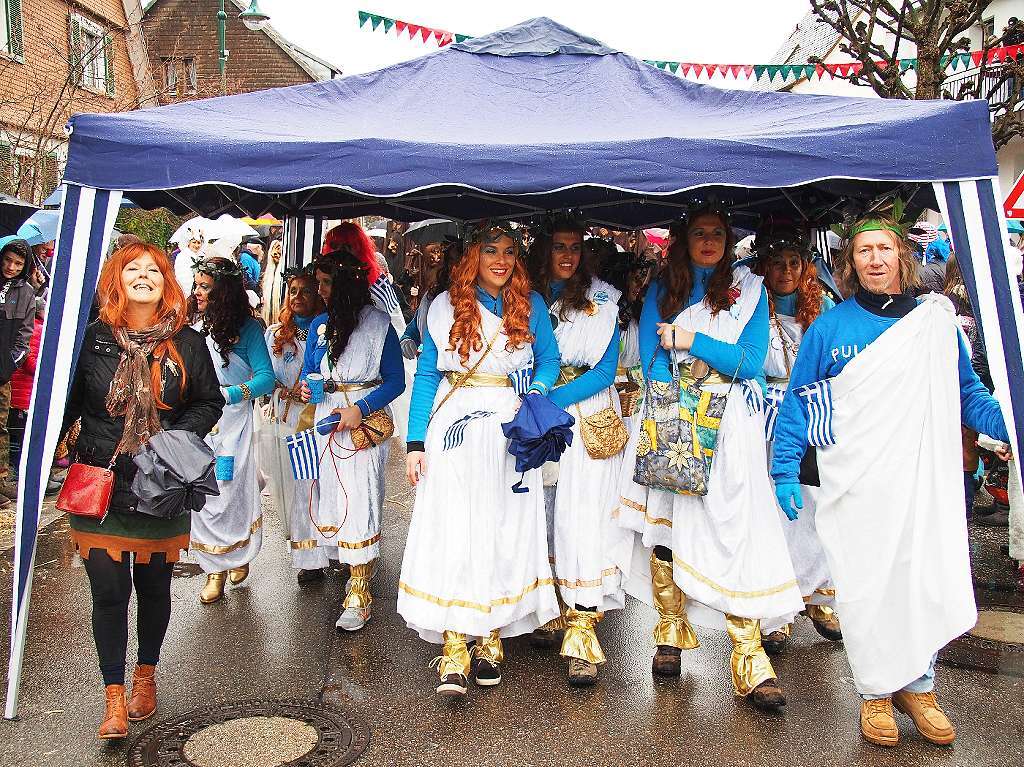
285	334
114	307
465	334
353	237
808	291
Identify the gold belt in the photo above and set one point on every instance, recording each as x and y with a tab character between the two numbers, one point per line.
569	373
780	381
621	370
479	379
686	377
347	386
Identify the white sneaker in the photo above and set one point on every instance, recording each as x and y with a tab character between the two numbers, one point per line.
353	618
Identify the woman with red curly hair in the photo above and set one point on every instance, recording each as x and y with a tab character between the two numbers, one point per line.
795	299
476	560
286	340
718	555
141	370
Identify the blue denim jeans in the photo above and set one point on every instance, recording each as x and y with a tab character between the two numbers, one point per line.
924	683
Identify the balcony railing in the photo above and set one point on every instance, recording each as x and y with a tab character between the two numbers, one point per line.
966	85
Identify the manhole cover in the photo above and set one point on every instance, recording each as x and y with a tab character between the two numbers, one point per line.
1000	626
996	643
255	741
254	733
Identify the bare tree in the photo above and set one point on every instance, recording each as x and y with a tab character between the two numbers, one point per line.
875	31
41	98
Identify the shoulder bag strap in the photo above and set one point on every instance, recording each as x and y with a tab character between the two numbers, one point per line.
468	374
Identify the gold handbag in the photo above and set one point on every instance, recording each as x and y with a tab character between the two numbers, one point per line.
629	397
376	429
604	434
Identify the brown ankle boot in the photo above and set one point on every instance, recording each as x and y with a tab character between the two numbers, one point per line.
115	720
142	703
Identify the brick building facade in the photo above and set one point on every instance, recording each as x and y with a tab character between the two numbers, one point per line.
58	57
183	46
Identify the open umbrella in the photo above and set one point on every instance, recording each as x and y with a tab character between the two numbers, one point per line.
539	433
1013	226
176	474
13	213
40	227
431	230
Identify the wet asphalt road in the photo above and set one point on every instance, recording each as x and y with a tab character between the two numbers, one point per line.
271	639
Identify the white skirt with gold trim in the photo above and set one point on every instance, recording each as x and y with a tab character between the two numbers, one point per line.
476	559
729	552
589	547
228	531
350	493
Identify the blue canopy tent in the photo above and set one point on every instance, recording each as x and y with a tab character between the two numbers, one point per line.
528	119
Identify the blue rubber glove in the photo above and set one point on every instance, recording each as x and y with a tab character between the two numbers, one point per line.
787	492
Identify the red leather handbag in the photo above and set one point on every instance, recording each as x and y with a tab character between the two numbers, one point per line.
86	491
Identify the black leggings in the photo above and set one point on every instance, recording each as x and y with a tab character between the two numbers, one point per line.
111	584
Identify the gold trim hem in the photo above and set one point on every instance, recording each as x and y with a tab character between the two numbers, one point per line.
501	601
210	549
731	592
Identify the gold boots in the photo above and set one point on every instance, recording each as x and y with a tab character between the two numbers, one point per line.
357	602
487	657
213	591
581	647
673	631
238	574
752	672
453	665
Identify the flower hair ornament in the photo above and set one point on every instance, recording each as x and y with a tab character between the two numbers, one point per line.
217	267
712	205
775	235
489	230
297	271
569	220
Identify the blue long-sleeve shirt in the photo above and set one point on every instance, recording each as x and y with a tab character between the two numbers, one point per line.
599	377
752	346
428	377
252	347
392	372
829	344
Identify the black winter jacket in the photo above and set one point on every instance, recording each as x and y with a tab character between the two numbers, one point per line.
197	410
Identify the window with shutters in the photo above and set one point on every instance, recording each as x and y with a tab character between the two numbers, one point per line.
92	55
11	25
171	76
191	77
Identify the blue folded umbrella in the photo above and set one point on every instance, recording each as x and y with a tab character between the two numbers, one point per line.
539	433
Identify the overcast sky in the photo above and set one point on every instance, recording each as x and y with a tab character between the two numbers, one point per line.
705	31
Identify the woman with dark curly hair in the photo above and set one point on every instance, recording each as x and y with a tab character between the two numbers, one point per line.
227	533
476	560
355	349
723	551
795	300
580	493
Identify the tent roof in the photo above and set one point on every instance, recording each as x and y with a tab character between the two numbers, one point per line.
533	116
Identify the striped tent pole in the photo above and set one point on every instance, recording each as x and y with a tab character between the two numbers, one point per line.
974	215
86	219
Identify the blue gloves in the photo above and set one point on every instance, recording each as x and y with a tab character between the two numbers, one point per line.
787	492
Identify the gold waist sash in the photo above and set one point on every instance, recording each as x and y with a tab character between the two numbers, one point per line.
478	379
686	376
348	386
569	373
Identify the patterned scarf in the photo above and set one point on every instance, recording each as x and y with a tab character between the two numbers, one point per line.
130	393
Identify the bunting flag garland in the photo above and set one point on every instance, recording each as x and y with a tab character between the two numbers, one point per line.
783	72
